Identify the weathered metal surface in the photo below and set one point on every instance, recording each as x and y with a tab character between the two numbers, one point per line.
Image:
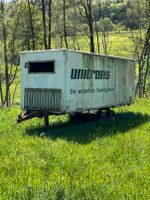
87	81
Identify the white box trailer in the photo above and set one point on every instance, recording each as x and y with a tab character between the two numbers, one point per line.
67	81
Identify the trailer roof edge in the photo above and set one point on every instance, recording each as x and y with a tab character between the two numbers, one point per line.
75	51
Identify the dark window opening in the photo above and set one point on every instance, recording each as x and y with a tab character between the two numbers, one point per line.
41	67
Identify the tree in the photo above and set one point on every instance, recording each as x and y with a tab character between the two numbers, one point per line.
31	24
10	71
6	100
97	16
49	24
86	11
64	23
105	26
118	12
144	62
141	43
44	24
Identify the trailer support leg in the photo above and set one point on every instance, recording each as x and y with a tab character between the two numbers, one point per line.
110	114
46	122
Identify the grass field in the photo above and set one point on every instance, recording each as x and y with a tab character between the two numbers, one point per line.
101	160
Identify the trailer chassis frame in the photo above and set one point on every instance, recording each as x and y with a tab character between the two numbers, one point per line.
30	114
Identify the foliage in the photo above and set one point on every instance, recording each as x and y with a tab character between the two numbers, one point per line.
118	12
137	14
106	25
140	15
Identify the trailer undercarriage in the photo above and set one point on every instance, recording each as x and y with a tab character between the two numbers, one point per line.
100	114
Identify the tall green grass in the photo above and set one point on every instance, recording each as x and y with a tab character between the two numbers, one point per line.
107	159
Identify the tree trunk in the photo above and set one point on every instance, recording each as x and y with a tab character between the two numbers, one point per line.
105	42
97	37
31	25
92	49
90	22
64	23
44	24
143	62
5	56
61	41
49	23
87	6
1	91
140	81
146	73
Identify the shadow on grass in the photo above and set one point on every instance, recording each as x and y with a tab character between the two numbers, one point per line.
88	128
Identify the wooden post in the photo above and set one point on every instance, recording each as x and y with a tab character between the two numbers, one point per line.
46	122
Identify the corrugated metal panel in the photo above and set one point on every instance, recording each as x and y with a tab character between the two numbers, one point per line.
42	99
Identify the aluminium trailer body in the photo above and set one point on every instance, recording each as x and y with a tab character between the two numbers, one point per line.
67	81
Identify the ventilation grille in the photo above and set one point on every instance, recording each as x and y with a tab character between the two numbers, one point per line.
42	99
